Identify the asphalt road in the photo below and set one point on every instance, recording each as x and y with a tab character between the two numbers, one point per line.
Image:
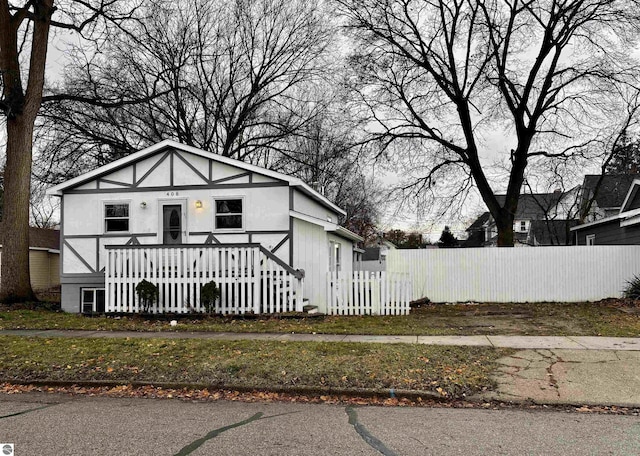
41	424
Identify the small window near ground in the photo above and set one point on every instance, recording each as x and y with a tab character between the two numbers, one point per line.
591	239
92	300
229	214
116	217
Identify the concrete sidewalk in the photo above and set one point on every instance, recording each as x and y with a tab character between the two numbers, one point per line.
518	342
545	370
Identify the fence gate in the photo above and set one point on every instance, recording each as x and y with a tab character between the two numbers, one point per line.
368	293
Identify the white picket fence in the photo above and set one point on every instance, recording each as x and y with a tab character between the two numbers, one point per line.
368	293
535	274
250	278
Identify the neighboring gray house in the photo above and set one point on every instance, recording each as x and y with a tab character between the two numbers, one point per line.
621	225
541	219
609	197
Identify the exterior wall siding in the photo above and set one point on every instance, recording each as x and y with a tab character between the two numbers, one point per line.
39	269
44	268
551	274
346	248
305	205
610	234
265	214
54	269
311	253
70	294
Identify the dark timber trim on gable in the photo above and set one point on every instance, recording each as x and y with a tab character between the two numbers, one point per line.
177	187
112	182
228	178
145	175
193	168
79	257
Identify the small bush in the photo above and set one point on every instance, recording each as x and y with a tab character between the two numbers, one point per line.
632	291
148	294
208	296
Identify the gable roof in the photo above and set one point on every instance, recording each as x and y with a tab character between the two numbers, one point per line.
632	199
629	208
534	206
478	224
42	238
59	189
612	191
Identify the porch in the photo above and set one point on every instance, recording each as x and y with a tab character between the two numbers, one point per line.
251	279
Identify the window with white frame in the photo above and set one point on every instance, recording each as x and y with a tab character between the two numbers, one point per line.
523	226
335	256
228	214
591	239
116	217
92	300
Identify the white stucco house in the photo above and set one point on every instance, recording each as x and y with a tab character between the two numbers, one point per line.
180	217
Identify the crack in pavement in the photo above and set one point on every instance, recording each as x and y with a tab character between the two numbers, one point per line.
371	440
198	443
190	448
27	411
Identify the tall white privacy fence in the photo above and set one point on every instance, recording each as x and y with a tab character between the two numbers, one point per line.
249	277
536	274
368	293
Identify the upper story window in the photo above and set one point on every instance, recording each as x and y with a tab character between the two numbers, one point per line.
523	225
228	214
116	217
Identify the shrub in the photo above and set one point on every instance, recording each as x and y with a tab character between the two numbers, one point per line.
148	294
632	290
208	296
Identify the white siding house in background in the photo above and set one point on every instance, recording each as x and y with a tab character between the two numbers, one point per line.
179	216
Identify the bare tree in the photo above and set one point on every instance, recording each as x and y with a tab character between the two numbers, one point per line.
439	77
43	208
326	153
25	29
237	74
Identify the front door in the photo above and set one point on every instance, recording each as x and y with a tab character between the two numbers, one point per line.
172	224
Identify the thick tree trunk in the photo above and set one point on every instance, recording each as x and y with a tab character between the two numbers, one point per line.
15	284
21	109
504	223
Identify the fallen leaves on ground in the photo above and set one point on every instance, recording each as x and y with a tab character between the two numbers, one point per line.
206	395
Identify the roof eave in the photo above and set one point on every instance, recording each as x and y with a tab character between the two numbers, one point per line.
59	189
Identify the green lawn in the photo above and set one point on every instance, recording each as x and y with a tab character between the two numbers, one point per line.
605	318
448	371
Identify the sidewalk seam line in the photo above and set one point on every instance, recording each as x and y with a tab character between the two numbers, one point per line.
490	341
582	345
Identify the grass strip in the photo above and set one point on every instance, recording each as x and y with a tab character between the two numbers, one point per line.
449	371
534	319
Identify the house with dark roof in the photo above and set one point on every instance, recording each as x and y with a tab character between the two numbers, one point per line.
615	218
44	257
607	197
541	219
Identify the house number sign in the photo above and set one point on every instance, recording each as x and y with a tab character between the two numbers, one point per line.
173	193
